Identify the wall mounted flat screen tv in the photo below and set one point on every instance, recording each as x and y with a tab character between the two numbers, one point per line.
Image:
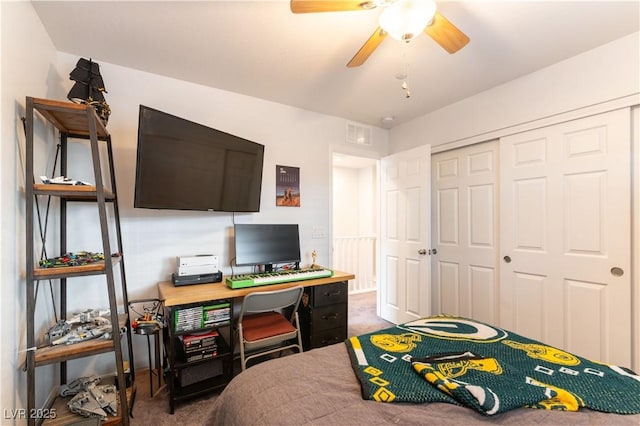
266	244
182	165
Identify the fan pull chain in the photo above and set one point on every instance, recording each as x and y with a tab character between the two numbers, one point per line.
405	87
405	73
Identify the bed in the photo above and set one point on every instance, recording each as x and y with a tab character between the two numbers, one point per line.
323	386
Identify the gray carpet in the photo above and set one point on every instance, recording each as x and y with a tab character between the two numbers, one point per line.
155	411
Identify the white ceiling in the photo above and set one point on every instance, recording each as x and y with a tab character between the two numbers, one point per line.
261	49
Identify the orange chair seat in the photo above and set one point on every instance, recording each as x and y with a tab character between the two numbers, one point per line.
264	325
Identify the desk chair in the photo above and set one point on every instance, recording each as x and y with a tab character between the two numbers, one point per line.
268	320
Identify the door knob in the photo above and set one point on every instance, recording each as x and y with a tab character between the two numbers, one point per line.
507	259
617	272
422	252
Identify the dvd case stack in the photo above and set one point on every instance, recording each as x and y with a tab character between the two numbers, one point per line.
199	346
198	317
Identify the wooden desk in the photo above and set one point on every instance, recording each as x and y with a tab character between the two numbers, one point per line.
323	321
322	311
183	295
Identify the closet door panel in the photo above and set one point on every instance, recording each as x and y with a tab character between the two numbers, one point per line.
565	235
464	184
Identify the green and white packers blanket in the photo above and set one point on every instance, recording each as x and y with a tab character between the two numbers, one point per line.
466	362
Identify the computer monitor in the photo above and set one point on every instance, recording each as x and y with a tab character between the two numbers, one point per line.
266	244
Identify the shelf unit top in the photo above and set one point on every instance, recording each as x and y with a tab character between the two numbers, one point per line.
80	192
65	417
69	117
94	268
52	354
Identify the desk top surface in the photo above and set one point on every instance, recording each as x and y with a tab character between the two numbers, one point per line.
183	295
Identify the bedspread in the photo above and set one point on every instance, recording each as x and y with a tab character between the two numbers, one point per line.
486	368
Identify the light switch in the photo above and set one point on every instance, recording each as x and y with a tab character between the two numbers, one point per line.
318	232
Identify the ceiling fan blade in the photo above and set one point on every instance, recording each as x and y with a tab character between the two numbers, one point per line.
446	34
367	48
311	6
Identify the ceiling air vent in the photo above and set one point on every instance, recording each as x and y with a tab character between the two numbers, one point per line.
358	134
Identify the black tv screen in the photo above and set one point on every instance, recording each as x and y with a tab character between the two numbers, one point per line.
266	244
182	165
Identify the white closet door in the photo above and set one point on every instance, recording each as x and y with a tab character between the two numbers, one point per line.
565	236
464	215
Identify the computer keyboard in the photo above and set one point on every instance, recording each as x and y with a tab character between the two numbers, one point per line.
290	275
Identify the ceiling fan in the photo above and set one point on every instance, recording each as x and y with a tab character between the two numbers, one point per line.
401	19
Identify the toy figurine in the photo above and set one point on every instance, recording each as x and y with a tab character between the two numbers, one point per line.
314	256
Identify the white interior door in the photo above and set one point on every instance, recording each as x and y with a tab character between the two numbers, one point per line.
405	290
565	236
464	215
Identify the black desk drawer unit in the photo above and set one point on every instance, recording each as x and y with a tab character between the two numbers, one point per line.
323	315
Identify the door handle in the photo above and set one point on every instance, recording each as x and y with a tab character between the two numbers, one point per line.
617	272
507	259
429	252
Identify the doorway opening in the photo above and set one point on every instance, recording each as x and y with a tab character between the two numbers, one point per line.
355	219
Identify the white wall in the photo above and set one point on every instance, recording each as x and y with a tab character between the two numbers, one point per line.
367	201
28	68
354	201
355	215
345	213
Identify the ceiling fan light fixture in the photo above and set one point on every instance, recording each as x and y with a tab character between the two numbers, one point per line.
406	19
366	5
372	4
